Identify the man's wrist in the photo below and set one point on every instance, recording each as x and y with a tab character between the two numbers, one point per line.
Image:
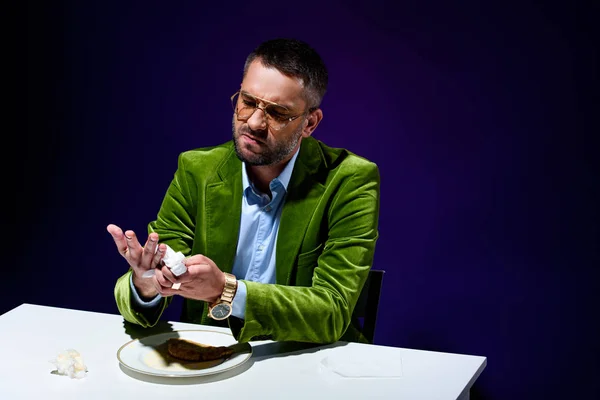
144	287
137	299
222	308
228	289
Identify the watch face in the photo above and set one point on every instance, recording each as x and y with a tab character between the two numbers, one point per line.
221	311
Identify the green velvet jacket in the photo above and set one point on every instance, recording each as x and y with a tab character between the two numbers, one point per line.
325	245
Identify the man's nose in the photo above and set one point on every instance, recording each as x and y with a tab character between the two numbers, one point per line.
258	119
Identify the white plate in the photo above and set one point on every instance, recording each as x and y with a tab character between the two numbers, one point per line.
148	355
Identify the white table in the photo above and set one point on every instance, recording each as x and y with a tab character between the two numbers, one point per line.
32	335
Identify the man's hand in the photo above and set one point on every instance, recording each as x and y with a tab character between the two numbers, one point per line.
141	259
202	281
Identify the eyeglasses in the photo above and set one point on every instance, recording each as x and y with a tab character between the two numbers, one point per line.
278	116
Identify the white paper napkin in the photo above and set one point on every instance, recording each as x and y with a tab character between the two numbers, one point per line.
174	260
69	363
362	362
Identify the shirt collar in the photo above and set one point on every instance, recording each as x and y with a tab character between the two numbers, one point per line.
284	177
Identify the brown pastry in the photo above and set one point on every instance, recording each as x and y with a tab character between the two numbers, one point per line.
191	351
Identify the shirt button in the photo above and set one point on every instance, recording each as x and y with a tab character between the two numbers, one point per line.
261	247
268	208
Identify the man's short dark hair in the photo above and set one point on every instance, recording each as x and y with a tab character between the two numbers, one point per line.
296	59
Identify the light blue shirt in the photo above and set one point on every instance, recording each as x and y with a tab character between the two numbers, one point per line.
257	241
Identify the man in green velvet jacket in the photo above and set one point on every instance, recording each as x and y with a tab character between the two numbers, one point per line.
277	228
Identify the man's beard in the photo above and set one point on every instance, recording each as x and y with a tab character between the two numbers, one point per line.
270	155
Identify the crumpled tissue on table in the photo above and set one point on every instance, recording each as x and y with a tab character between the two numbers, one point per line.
174	260
70	363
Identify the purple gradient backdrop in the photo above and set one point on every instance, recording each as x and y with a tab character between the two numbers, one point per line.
476	115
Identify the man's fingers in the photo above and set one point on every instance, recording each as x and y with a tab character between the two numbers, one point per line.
118	237
134	248
197	259
164	277
158	256
159	286
114	230
150	249
132	240
200	269
169	276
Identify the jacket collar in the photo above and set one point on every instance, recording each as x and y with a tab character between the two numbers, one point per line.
223	208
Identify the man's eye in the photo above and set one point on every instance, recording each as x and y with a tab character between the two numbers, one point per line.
249	103
277	114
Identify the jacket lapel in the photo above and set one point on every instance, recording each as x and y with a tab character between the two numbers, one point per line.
303	194
223	213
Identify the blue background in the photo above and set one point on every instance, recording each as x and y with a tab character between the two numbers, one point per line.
479	117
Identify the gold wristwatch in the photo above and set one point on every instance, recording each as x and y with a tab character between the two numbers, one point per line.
222	308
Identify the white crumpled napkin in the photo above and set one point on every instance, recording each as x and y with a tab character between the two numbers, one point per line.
362	362
174	260
69	363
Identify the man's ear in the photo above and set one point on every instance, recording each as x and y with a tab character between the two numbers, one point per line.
311	122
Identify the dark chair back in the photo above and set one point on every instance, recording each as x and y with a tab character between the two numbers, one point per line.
368	304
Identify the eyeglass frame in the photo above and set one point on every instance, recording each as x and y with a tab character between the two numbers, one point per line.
263	109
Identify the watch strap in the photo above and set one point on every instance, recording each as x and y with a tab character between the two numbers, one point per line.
230	288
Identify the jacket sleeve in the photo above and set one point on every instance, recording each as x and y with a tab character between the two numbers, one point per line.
128	309
321	313
175	227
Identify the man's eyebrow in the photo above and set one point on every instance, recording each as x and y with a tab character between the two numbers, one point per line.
287	107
